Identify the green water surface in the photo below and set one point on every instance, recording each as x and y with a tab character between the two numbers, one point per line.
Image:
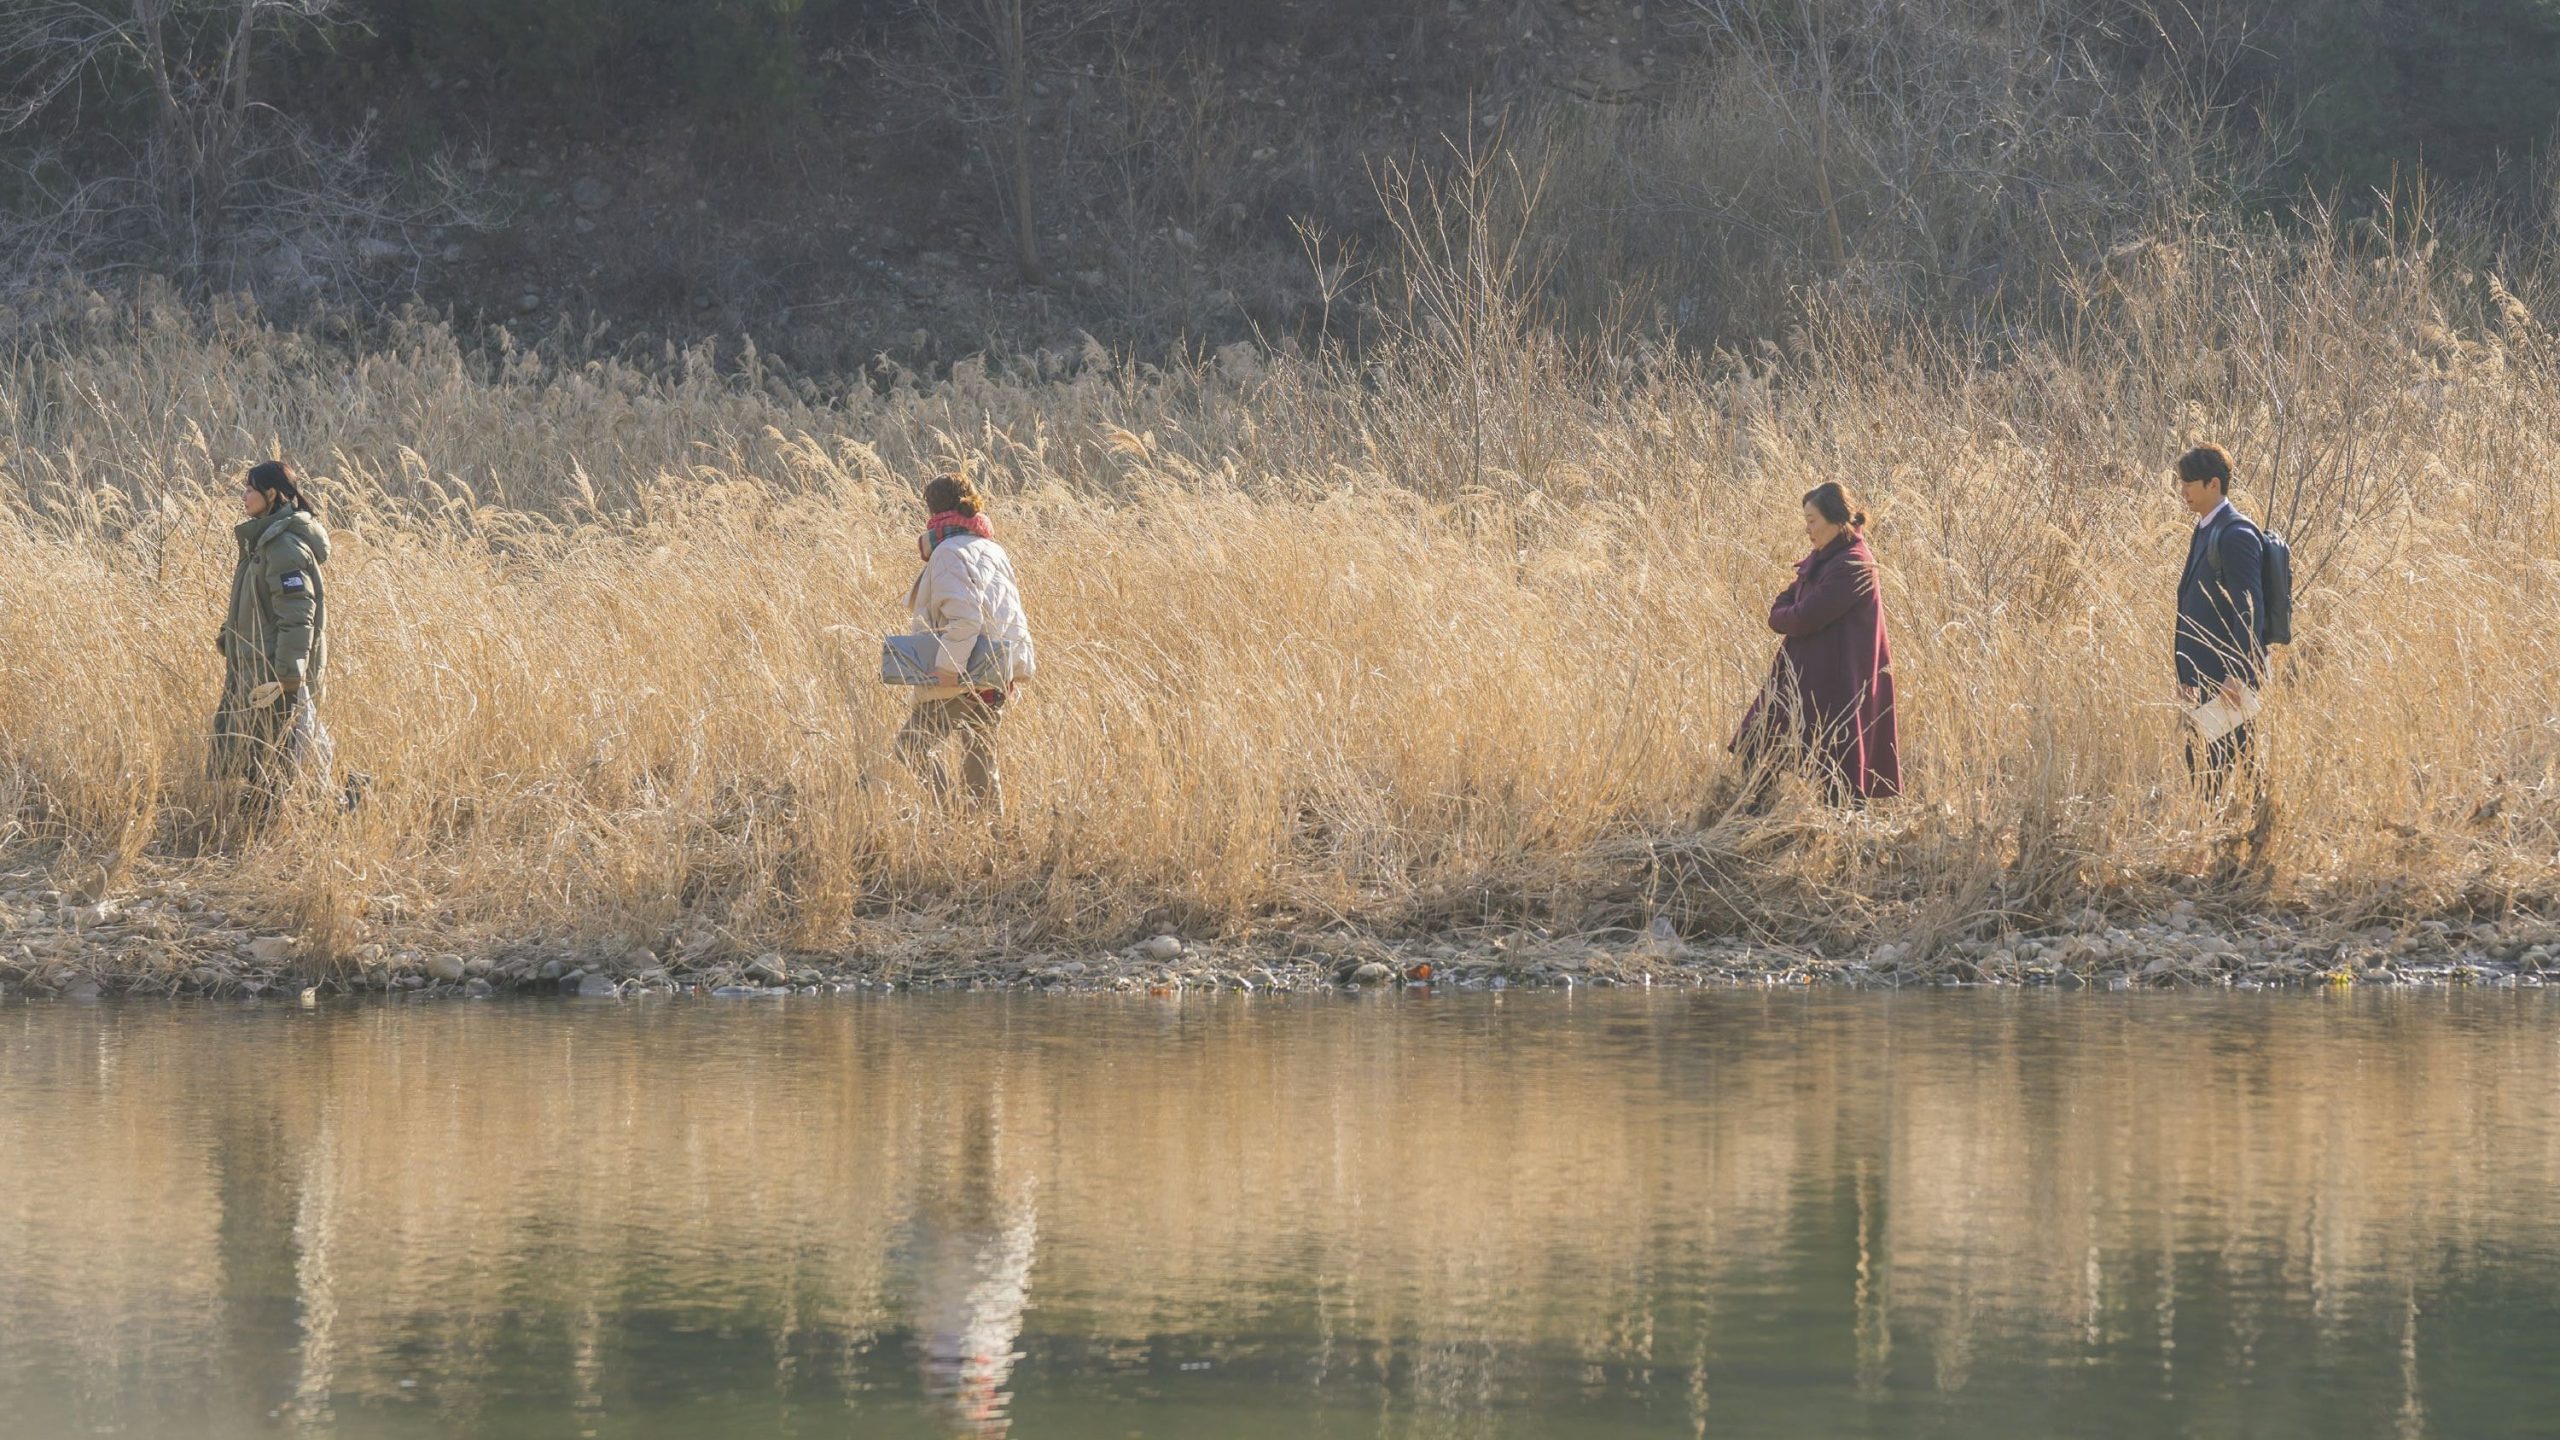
1953	1214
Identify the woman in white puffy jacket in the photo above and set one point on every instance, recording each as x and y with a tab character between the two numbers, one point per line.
967	591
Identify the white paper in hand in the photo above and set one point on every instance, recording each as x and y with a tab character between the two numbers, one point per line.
2218	716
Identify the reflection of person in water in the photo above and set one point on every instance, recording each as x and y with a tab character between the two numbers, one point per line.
973	1242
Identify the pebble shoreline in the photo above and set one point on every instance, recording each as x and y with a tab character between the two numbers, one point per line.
160	941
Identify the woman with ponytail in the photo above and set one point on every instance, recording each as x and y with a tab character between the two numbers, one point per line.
1829	702
275	639
967	594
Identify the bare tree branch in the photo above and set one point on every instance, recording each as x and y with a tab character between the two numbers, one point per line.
218	187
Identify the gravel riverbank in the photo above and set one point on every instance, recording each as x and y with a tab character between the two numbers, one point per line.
163	940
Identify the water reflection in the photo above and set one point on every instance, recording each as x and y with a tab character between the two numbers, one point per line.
972	1240
1719	1215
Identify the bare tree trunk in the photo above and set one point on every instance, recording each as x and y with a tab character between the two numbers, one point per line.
235	65
1822	137
1016	57
229	121
177	158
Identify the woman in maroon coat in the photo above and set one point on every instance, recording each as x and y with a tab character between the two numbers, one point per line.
1829	700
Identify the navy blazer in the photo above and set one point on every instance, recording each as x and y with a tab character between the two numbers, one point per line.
2220	617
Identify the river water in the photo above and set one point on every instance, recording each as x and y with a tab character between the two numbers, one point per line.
1953	1214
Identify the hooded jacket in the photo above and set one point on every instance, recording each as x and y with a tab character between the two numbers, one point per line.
278	625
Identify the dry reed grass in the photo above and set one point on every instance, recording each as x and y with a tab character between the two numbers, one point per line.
1452	634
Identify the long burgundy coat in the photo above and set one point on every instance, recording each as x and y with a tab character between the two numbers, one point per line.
1831	688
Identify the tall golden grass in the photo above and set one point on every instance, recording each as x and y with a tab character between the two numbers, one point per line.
1452	632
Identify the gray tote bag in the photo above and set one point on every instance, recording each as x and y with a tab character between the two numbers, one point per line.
909	660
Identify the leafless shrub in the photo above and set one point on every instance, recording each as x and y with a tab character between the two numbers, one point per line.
220	187
985	59
1925	152
1169	174
1465	317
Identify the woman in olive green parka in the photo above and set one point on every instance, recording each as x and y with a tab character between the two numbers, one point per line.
275	640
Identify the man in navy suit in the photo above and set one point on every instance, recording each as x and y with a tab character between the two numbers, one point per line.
2222	606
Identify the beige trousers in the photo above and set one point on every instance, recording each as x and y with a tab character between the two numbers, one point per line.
972	722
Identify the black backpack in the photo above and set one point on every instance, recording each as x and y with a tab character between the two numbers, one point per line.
2275	579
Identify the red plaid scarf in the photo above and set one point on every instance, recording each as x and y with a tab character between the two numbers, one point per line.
948	523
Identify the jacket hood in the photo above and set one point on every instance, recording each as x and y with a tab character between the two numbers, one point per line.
304	527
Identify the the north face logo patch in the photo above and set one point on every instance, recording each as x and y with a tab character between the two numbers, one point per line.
296	581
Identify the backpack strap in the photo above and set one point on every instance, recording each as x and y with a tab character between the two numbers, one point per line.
2213	540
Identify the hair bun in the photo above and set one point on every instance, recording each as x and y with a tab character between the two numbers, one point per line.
954	493
1835	504
1859	520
